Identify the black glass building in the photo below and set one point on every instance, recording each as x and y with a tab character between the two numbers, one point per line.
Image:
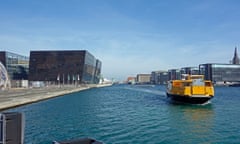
220	72
16	65
65	67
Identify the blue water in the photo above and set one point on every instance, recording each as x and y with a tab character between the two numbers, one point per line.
126	114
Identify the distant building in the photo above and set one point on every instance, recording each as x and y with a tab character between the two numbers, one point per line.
190	70
174	74
163	78
220	73
64	67
235	59
143	78
17	67
131	80
159	77
155	77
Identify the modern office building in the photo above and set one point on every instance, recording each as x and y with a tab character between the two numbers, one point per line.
163	78
17	67
97	73
190	70
155	77
174	74
64	67
159	77
220	73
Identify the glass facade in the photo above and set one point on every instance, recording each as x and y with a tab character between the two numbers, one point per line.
174	74
190	70
97	71
154	77
163	78
65	67
89	68
159	77
221	72
16	65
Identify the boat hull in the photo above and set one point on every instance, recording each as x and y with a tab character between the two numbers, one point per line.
189	99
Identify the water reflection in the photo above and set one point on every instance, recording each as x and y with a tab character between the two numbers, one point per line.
194	122
198	113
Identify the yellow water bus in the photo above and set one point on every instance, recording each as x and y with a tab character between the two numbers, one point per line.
191	89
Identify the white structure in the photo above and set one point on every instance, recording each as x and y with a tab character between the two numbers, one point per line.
4	80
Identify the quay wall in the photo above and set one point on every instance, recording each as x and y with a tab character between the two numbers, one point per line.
16	97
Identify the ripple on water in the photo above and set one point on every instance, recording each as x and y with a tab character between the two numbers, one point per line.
133	114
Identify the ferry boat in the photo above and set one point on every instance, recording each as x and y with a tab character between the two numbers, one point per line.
191	89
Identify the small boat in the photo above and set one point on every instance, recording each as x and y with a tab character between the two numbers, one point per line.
191	89
236	84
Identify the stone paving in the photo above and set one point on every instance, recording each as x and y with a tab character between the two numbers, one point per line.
16	97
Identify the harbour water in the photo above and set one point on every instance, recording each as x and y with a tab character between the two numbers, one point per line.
127	114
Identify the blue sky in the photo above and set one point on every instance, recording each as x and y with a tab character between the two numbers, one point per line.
128	36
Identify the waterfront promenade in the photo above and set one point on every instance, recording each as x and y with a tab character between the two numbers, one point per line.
17	97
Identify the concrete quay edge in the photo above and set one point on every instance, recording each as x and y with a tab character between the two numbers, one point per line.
16	99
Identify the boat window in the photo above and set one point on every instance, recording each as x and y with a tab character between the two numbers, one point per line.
208	84
198	82
197	77
187	84
177	84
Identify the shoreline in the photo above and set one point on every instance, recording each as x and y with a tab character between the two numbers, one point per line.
17	97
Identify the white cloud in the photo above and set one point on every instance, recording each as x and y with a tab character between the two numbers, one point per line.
125	54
